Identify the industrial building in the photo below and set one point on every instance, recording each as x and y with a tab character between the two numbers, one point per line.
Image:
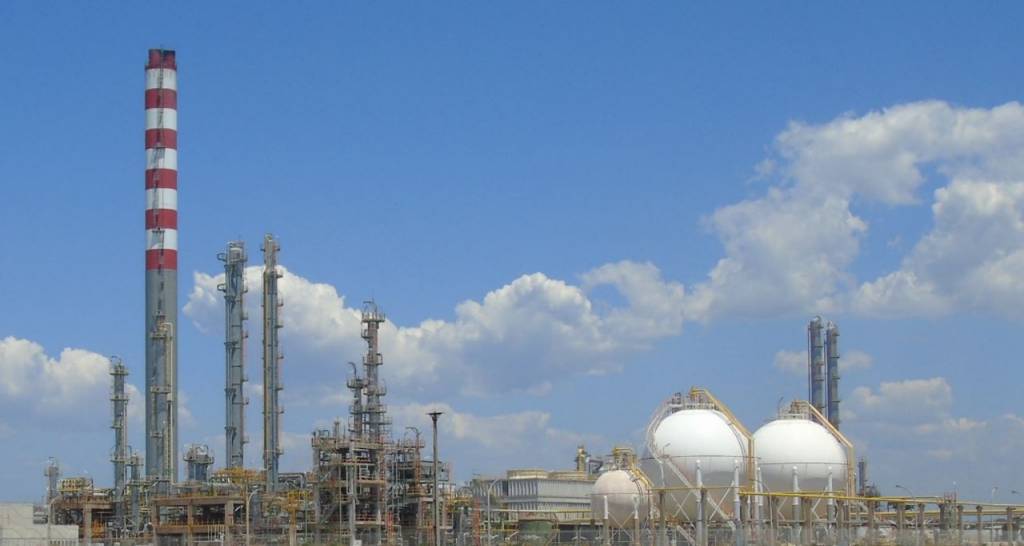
701	477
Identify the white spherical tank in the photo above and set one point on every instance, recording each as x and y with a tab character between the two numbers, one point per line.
696	447
801	444
620	489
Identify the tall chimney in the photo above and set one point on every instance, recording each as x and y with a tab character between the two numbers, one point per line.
161	265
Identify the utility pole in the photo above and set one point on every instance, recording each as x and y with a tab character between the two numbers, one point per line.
437	506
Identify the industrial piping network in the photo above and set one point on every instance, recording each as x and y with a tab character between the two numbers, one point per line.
355	466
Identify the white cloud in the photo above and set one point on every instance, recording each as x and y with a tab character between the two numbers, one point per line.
64	385
785	252
850	361
790	250
500	431
794	362
971	259
521	336
912	398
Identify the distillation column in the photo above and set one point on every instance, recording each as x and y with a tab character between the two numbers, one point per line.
372	318
832	356
234	351
271	361
816	364
119	402
161	265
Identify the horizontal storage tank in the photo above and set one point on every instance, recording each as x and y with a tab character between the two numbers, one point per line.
692	444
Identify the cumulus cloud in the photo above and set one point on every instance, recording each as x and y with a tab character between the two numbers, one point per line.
64	385
912	398
970	260
524	438
922	409
521	336
790	250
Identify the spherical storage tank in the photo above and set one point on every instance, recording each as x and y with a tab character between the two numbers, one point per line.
692	441
799	443
621	489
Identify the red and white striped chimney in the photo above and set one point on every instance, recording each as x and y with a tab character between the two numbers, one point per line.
161	265
161	161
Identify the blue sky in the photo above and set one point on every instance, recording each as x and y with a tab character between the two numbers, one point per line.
858	161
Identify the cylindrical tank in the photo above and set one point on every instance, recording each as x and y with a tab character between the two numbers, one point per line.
694	447
621	490
796	447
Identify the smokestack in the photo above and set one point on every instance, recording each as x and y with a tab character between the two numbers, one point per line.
234	348
271	362
832	356
816	364
161	265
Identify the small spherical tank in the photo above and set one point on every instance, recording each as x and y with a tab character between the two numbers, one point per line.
621	490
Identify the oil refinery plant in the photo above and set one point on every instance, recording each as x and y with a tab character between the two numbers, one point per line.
700	477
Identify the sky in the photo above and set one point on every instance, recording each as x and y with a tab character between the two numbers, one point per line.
569	211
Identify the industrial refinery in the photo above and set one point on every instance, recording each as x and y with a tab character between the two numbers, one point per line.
700	477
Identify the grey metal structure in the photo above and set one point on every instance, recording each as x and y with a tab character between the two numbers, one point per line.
235	401
436	501
119	456
832	357
52	473
376	425
161	406
271	362
134	492
816	364
198	460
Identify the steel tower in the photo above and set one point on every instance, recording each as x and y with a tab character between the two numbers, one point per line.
161	265
234	348
816	364
832	357
271	361
119	457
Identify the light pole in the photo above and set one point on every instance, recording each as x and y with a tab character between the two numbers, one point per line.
248	541
49	517
488	493
907	489
437	507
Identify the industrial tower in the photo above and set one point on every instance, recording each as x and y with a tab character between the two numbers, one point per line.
822	349
372	318
161	265
816	363
119	457
234	351
832	357
271	361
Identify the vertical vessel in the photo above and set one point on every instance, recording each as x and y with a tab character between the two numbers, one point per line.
234	353
271	362
161	265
